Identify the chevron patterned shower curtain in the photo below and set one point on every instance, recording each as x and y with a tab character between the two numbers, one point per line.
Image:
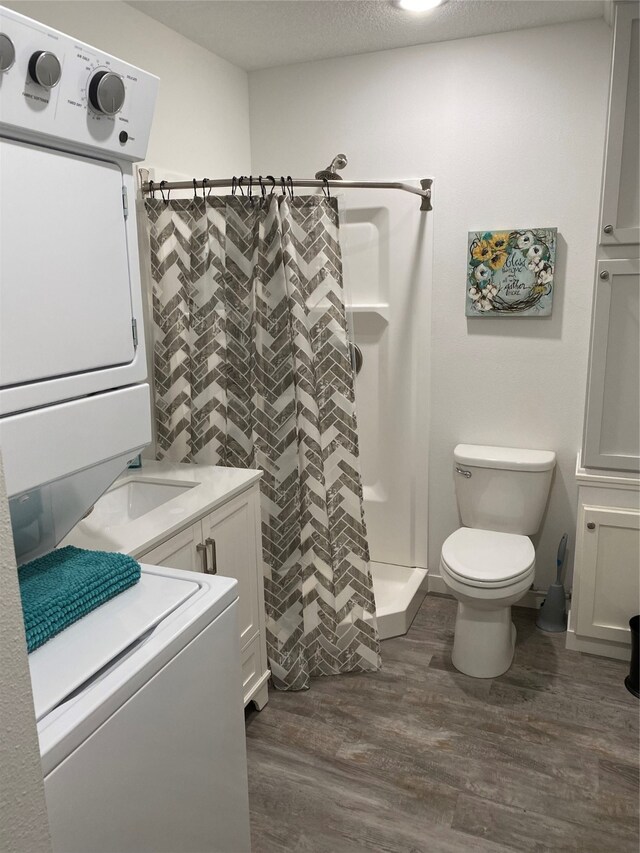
252	370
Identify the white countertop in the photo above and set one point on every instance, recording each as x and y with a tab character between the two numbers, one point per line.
213	487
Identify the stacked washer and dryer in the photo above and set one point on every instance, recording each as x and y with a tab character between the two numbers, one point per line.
139	704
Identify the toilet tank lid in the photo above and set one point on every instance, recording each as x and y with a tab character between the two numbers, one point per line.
506	458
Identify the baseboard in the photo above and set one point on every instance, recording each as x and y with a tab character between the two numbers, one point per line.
436	584
532	599
593	646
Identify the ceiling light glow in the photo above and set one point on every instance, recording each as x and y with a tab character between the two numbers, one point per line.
418	5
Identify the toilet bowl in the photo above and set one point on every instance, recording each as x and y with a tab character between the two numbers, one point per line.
487	572
489	563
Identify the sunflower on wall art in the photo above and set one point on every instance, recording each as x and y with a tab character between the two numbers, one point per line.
510	273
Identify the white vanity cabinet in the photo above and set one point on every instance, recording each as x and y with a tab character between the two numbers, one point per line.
210	524
606	583
227	541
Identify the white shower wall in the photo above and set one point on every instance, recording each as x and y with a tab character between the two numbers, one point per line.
386	249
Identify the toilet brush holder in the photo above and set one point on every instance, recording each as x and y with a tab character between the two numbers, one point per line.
552	616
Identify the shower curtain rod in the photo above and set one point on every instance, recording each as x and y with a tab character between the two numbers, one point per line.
424	192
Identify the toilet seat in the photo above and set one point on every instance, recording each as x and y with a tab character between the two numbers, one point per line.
486	558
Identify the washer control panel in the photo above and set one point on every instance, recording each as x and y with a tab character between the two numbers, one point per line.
52	84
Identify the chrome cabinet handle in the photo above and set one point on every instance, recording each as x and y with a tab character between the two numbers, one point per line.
211	543
202	549
464	473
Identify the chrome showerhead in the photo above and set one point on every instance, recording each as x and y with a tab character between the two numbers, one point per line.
331	172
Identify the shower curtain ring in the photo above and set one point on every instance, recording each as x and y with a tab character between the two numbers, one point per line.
273	183
152	189
234	185
251	189
326	189
165	200
290	186
205	181
240	180
283	185
195	189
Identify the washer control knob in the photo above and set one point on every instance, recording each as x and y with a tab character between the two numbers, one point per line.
7	52
45	69
106	92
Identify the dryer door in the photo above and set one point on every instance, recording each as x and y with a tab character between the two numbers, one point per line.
65	297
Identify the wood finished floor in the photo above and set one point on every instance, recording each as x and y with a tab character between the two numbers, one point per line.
421	759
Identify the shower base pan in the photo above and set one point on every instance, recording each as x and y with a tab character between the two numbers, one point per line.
398	597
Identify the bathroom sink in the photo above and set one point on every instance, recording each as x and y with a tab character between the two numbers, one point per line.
133	499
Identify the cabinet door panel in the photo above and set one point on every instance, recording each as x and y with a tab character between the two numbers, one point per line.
610	572
611	427
619	214
179	552
232	529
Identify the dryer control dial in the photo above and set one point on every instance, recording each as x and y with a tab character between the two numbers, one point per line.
106	92
7	52
45	69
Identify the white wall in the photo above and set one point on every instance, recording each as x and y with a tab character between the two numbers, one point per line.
201	123
23	825
511	127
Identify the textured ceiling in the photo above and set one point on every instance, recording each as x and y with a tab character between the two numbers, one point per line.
258	34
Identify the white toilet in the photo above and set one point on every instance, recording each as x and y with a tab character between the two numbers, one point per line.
489	563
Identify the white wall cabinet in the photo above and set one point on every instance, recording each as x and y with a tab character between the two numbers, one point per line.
619	211
606	583
611	439
228	542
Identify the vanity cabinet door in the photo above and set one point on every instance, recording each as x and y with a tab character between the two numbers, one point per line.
607	561
182	551
231	535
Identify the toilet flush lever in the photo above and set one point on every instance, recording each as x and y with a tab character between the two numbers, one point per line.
464	473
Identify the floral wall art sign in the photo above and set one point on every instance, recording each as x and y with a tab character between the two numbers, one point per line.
510	273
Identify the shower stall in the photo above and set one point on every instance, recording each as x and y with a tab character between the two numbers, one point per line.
386	248
386	243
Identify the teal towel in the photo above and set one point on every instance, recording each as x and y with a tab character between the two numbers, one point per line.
66	584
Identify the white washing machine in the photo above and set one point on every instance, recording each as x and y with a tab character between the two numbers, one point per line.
74	400
139	704
140	720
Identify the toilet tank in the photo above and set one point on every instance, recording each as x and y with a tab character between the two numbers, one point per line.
502	488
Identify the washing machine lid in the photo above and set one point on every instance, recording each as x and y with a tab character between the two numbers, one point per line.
75	655
486	556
